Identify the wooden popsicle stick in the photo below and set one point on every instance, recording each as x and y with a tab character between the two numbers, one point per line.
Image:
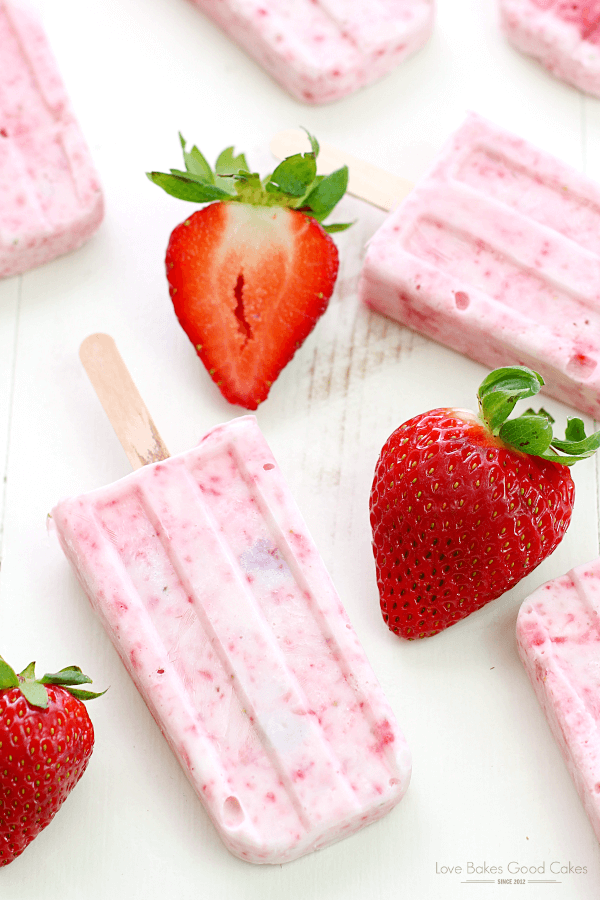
121	400
365	181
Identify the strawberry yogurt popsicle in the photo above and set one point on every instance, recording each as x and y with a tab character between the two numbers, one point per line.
496	253
50	198
558	635
564	35
321	50
211	588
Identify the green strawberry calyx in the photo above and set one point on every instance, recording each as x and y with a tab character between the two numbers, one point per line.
34	689
293	184
530	432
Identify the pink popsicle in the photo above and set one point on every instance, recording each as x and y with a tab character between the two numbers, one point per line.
321	50
202	570
50	197
564	35
496	253
558	634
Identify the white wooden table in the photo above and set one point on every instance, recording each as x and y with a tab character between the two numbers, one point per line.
489	786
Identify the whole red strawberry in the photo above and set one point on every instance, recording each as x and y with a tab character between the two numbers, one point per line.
463	507
46	740
250	275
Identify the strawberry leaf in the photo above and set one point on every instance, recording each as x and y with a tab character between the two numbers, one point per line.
188	188
84	695
225	183
502	389
551	455
512	378
575	430
583	446
541	412
195	163
228	164
496	408
529	434
327	194
340	226
8	676
70	675
220	182
294	175
314	144
28	671
35	693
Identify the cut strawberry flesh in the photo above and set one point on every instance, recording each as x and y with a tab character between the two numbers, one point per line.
248	284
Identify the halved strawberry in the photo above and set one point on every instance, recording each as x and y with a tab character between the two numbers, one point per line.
251	274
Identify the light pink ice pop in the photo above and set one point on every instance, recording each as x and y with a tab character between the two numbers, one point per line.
564	35
50	197
558	633
203	573
321	50
496	253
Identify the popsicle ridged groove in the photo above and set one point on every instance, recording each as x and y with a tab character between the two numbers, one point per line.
220	626
282	543
540	196
258	671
